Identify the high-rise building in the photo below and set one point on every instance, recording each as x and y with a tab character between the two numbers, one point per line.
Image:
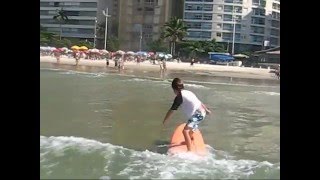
257	22
81	15
140	22
134	22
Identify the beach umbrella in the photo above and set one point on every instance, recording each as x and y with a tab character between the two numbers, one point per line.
94	50
141	53
150	54
120	52
103	51
130	53
83	48
56	50
161	55
53	49
50	48
64	49
169	56
75	47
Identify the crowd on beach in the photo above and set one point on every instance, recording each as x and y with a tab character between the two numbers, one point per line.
119	57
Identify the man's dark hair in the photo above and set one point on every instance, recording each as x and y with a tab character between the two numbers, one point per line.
177	84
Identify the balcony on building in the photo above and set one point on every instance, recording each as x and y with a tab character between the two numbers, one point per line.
259	3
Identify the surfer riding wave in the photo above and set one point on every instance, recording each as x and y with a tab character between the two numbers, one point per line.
192	107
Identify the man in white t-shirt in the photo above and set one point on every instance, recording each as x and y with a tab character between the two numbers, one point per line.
192	107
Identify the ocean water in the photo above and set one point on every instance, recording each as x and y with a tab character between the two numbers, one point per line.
105	125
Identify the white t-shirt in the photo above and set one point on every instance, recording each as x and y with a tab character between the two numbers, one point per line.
188	101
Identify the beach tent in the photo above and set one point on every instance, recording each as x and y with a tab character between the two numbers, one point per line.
220	57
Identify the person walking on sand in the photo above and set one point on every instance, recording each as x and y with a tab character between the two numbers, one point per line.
192	62
192	107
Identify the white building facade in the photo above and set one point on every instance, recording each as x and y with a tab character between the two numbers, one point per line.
257	22
81	15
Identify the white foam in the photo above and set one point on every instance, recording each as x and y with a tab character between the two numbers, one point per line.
137	79
196	86
228	84
73	72
52	69
267	93
104	178
151	165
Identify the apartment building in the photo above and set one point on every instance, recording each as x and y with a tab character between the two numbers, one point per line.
81	15
257	22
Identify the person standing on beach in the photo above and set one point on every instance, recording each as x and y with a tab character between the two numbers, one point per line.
57	54
192	62
121	63
138	59
161	64
118	63
76	56
107	61
192	107
164	65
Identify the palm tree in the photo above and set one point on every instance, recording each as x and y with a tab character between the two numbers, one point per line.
175	31
194	48
213	46
61	17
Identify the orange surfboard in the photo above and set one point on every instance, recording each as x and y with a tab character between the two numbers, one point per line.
178	144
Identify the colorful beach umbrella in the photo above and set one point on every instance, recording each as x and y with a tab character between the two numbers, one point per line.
103	51
169	56
75	47
120	52
130	53
94	50
83	48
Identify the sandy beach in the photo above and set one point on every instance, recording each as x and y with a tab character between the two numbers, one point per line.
217	70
